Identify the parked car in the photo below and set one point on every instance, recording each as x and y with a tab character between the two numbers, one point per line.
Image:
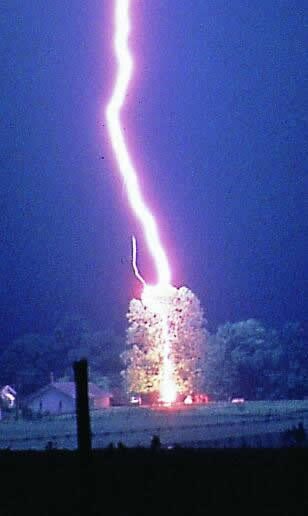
135	399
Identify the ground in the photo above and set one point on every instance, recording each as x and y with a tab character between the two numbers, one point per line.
212	425
144	482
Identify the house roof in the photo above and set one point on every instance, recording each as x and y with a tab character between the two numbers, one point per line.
69	389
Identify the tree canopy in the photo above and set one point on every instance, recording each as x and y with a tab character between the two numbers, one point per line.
240	359
246	359
143	358
27	361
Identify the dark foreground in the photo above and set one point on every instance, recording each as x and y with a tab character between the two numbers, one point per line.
144	481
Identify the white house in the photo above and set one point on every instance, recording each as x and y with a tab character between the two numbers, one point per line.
60	398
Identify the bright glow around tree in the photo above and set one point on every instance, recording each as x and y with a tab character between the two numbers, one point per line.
187	337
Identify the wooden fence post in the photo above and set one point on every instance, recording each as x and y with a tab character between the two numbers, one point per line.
82	408
84	493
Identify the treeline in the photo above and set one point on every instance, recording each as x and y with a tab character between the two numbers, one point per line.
246	359
28	361
242	359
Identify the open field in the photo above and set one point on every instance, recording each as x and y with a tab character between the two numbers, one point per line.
202	425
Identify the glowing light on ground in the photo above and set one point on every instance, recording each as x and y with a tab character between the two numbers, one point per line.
8	394
153	296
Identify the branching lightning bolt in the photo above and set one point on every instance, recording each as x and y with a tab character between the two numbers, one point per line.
125	67
136	271
152	294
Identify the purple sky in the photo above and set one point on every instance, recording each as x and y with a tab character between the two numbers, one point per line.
216	119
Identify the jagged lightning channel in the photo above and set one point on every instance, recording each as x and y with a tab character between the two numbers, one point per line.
124	73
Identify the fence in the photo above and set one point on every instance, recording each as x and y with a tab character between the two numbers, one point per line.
265	432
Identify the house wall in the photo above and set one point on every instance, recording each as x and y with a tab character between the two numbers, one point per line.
52	401
101	402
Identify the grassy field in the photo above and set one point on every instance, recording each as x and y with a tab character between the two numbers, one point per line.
136	425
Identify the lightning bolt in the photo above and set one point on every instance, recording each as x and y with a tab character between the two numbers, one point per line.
136	271
126	167
154	296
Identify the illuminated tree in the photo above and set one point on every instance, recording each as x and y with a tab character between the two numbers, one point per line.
143	358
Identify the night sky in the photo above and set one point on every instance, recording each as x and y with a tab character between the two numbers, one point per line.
216	119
